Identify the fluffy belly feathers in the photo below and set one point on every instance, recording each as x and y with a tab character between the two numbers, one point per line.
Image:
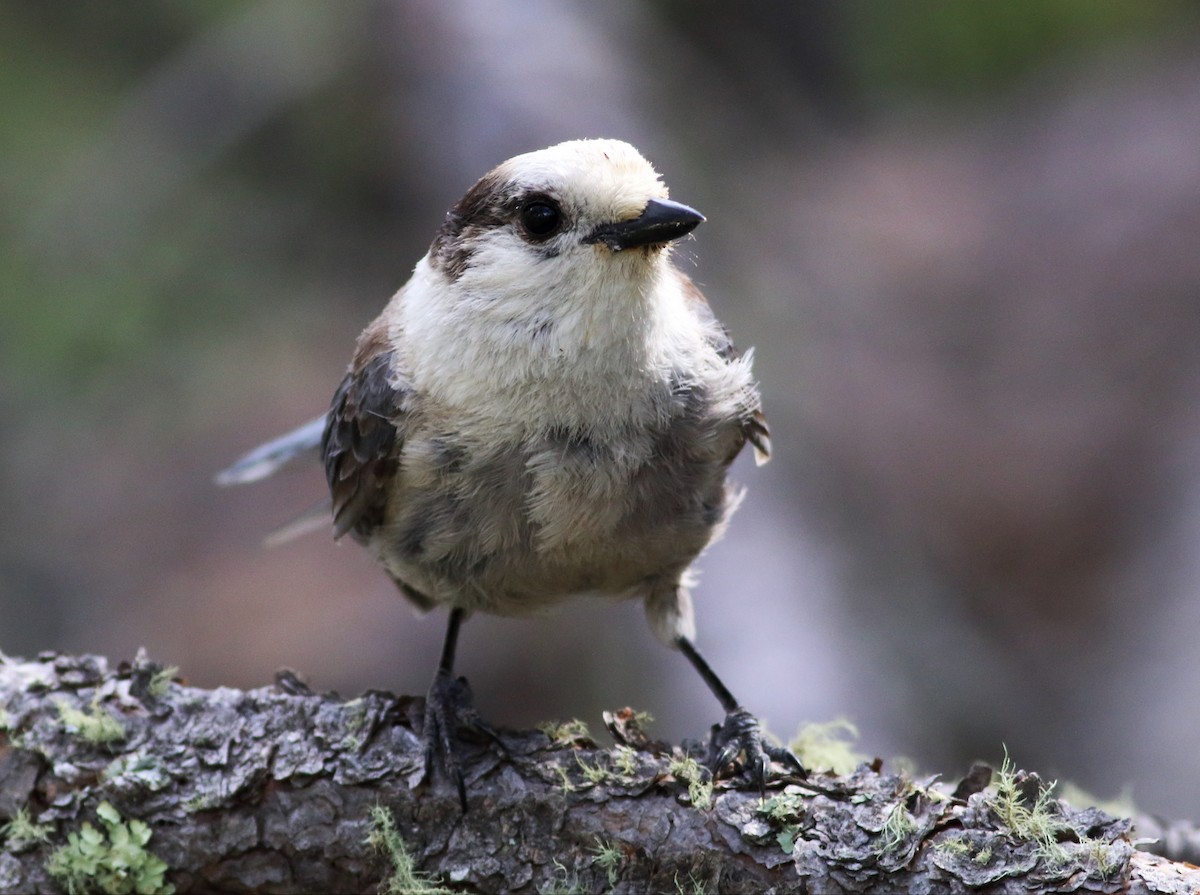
510	529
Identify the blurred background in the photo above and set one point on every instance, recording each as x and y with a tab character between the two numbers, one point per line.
964	240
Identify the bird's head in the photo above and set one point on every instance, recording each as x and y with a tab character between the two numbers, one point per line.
582	209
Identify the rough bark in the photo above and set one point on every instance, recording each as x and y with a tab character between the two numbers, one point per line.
273	790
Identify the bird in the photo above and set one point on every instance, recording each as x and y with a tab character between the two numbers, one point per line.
548	407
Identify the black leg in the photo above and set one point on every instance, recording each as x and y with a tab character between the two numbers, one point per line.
447	706
450	644
741	732
710	677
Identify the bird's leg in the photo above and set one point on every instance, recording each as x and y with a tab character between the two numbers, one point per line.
741	732
448	705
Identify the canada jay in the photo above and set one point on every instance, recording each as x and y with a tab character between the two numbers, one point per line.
547	408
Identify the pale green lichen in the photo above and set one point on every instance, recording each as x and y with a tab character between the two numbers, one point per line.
828	745
642	719
21	831
785	809
161	681
202	801
111	861
1040	824
897	828
565	733
1035	823
565	882
1121	805
625	761
564	778
1103	854
405	878
608	857
787	805
691	886
960	847
144	771
697	778
594	774
787	838
952	846
358	724
93	725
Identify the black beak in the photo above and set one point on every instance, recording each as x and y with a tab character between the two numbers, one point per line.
660	221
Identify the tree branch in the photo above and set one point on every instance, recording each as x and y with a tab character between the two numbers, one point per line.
280	789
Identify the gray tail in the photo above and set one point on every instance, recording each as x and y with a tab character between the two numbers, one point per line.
269	458
318	517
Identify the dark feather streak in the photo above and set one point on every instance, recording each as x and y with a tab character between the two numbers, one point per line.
486	205
361	445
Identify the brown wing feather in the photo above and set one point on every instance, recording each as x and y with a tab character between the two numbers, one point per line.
361	444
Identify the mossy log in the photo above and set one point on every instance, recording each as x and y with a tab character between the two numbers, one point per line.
281	789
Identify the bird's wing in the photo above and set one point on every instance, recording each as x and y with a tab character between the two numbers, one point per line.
754	422
267	459
362	441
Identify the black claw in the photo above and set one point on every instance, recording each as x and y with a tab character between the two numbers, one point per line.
785	757
741	734
449	706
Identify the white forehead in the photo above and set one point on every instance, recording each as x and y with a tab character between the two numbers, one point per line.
606	177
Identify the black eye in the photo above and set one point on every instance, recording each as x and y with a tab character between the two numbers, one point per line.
541	218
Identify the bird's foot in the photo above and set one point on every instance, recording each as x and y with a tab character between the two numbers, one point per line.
742	735
449	706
